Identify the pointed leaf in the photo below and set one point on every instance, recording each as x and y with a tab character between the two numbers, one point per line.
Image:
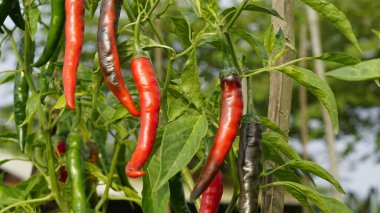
256	8
253	41
154	200
269	39
341	58
364	71
323	202
179	145
31	108
190	84
267	123
181	28
326	9
318	87
281	145
315	169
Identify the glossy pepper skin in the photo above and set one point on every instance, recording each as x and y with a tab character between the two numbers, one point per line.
249	166
74	29
230	115
57	22
75	167
212	195
149	95
108	55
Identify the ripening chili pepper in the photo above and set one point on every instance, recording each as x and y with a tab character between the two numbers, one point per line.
61	151
16	16
177	195
75	167
149	95
230	115
108	55
249	166
57	21
74	29
212	195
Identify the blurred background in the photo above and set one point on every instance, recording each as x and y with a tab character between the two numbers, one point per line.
358	141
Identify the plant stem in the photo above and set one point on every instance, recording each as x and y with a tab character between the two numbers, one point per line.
32	201
109	177
188	179
236	15
232	52
136	36
235	181
14	46
128	11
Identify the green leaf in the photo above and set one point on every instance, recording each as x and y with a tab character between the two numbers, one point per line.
327	10
154	200
32	105
61	103
9	195
176	108
253	41
175	156
267	123
315	169
318	87
364	71
281	145
34	16
181	28
377	33
270	152
126	48
93	7
269	11
269	39
190	84
287	175
96	172
302	193
341	58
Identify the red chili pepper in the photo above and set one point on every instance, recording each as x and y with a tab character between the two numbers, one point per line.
212	195
63	174
74	28
149	94
108	55
230	115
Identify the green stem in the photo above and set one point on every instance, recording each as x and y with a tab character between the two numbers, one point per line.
138	201
129	12
189	49
14	46
236	15
190	183
152	9
155	31
235	181
136	36
232	51
32	201
109	177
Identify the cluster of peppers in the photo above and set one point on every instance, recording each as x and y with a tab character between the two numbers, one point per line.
70	15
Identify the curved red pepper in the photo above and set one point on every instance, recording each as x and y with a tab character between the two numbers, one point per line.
212	195
230	115
149	94
108	55
74	29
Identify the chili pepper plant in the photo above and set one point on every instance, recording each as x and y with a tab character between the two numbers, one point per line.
152	93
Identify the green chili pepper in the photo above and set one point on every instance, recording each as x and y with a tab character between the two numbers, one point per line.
177	196
15	14
75	167
5	6
57	22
